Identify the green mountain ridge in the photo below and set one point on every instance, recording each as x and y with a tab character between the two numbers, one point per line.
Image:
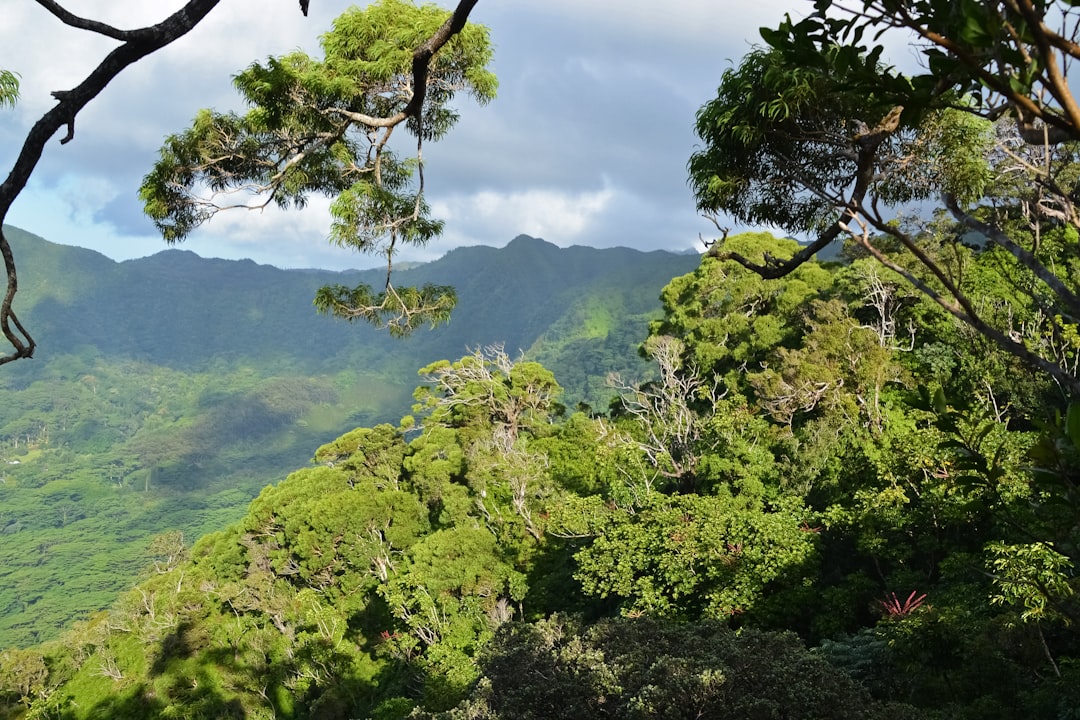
192	311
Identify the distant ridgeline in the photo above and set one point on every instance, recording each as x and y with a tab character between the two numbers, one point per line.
185	312
166	391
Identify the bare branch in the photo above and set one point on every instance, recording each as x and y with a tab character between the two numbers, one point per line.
20	340
91	25
671	428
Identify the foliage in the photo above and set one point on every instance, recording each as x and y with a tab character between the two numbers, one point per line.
781	472
220	380
1033	576
9	88
758	155
693	557
560	668
322	126
817	134
893	606
829	454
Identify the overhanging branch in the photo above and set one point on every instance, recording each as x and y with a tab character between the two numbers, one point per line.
101	28
866	145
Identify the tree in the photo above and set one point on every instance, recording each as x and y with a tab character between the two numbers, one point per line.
815	134
135	45
324	127
695	556
495	407
670	427
488	387
23	673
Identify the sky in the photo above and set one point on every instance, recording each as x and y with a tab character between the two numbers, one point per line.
586	143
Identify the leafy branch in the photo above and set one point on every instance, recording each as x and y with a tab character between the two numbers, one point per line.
323	126
793	140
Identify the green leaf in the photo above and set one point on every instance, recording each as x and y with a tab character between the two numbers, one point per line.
1072	424
941	404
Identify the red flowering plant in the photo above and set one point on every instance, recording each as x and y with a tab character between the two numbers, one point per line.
894	608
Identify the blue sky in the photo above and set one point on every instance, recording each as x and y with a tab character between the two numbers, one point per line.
586	144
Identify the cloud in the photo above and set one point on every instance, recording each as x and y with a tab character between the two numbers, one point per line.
285	238
558	216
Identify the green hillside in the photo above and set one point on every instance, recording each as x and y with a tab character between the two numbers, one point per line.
167	391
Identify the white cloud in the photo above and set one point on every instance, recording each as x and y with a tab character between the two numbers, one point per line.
286	238
681	21
557	216
68	213
245	227
81	198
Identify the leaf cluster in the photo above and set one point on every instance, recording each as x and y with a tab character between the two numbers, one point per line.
9	88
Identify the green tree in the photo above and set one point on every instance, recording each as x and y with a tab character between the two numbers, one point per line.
818	134
24	674
694	556
322	126
495	408
488	389
648	668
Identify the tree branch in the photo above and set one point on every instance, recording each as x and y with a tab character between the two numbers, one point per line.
422	55
421	64
964	310
866	145
90	25
1024	256
1055	78
20	340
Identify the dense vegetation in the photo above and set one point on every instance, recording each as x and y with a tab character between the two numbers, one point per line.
829	455
843	493
168	391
